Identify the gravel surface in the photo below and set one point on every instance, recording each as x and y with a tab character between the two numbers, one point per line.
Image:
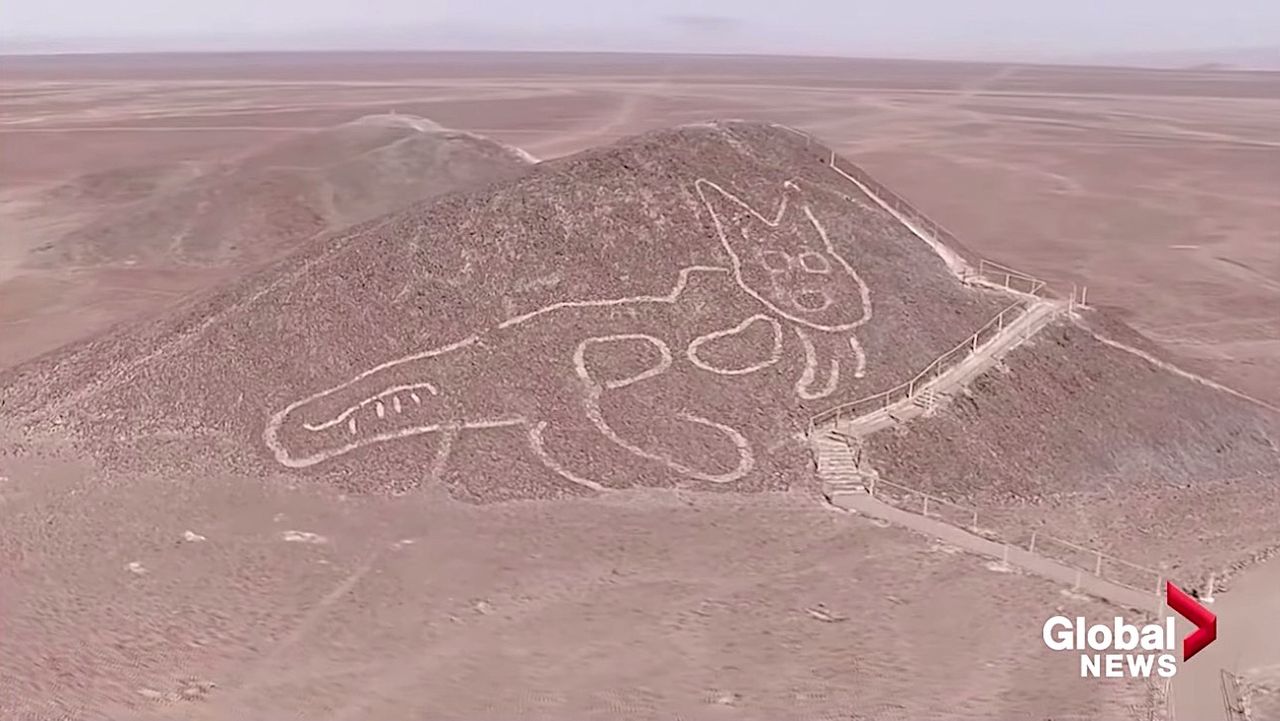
702	373
298	602
1098	446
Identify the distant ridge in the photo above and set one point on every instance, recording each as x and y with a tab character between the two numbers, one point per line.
269	200
1255	58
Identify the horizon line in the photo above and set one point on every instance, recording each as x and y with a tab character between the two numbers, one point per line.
1103	62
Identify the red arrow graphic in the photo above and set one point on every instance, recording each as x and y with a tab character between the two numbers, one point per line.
1206	623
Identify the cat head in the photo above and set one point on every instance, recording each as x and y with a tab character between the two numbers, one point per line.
786	260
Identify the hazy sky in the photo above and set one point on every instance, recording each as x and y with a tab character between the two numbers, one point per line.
840	27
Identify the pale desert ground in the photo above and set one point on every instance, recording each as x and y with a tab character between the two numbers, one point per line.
1157	190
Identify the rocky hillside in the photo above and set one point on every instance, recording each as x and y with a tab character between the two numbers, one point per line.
666	310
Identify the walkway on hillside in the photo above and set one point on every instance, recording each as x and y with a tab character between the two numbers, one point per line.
844	480
1085	582
840	474
1035	318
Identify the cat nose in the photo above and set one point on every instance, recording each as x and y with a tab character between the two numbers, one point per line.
811	300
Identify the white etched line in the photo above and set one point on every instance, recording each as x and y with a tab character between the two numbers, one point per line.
775	353
495	423
668	298
664	360
718	218
810	372
725	209
372	399
595	390
539	450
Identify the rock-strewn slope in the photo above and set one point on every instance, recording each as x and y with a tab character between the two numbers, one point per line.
1099	445
665	310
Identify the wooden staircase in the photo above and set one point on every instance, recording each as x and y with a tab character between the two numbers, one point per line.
926	400
838	468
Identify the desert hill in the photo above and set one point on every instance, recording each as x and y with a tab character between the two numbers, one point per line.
121	244
669	309
1094	434
272	198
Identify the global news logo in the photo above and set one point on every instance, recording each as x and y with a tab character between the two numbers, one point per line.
1124	650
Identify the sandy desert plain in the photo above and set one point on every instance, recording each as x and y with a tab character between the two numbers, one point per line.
193	591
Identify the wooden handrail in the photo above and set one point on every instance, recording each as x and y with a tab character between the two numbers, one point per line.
1038	541
939	231
967	346
970	345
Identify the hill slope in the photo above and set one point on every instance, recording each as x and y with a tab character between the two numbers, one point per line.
102	248
273	198
669	309
1088	435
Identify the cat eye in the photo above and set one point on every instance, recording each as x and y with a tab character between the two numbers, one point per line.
815	262
775	261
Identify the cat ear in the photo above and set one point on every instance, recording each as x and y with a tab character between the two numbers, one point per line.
737	221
